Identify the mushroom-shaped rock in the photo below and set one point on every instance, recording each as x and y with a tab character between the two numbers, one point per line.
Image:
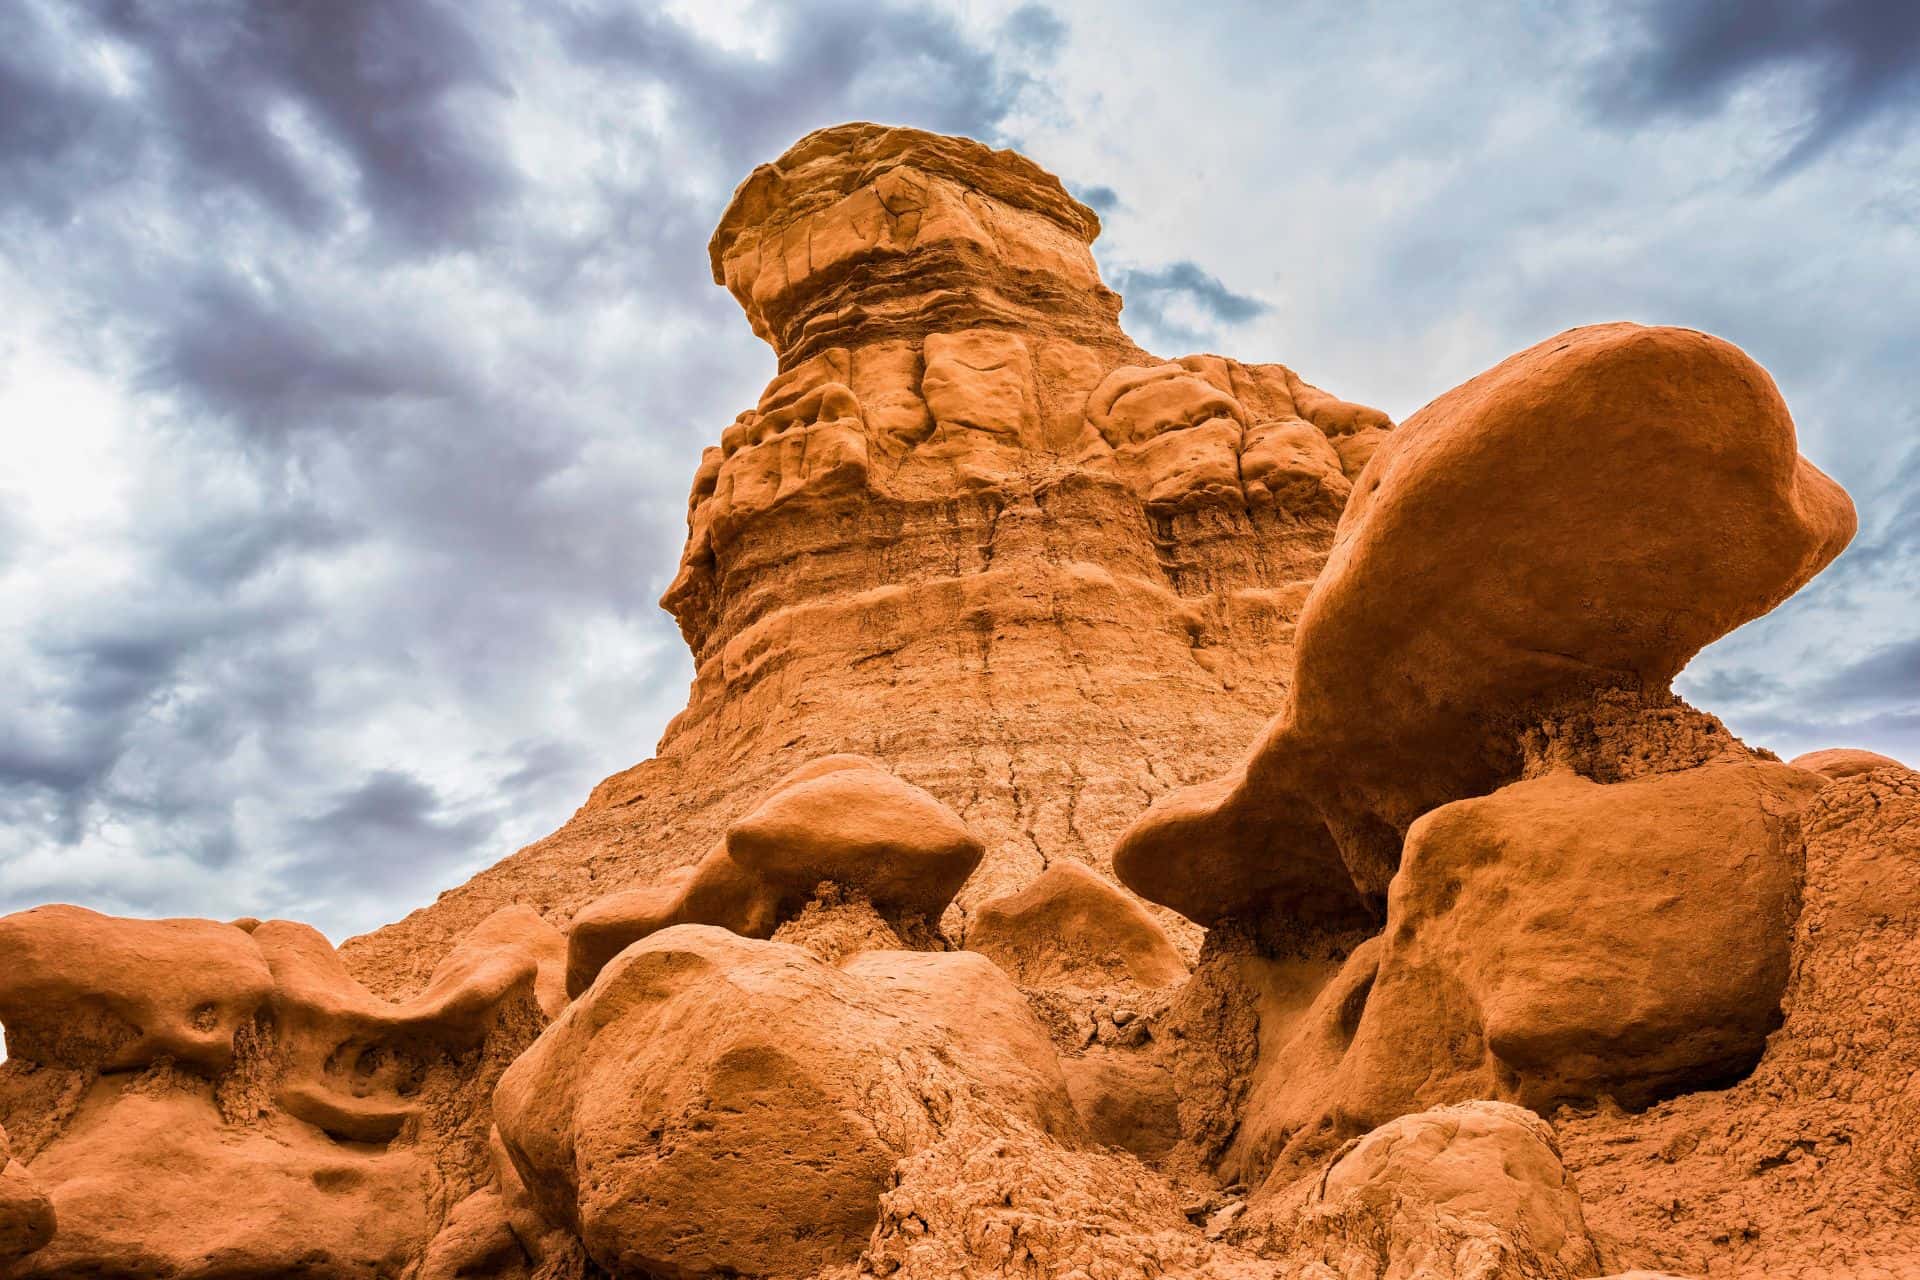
716	891
701	1062
1586	515
81	989
1466	1191
1071	927
840	819
26	1215
1843	762
1562	939
863	829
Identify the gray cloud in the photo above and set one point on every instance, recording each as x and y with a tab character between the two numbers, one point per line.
1103	200
405	413
397	91
391	832
258	351
1180	304
1891	672
1849	64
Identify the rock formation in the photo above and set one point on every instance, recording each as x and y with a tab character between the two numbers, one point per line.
26	1215
971	530
969	923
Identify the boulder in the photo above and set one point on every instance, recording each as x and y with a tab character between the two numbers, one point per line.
1561	940
863	829
159	1186
1072	927
1804	1169
1474	1191
229	1102
717	1105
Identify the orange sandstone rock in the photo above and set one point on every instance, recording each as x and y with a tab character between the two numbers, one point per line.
840	820
26	1215
973	584
863	829
1460	1192
699	1058
1071	926
226	1103
1586	515
970	531
1844	762
79	989
1802	1170
155	1184
1560	940
352	1062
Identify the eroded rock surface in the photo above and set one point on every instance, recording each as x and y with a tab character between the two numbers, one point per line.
701	1064
970	530
1073	927
1491	960
1807	1167
26	1215
1584	516
1563	939
1476	1189
197	1099
841	821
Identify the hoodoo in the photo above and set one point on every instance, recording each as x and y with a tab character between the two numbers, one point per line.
1133	817
971	531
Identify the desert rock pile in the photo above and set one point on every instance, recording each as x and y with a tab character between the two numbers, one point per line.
1133	818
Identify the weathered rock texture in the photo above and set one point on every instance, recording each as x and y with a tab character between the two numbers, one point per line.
1490	960
970	531
841	821
1808	1167
26	1215
1585	516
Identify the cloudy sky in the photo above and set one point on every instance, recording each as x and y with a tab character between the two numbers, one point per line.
355	357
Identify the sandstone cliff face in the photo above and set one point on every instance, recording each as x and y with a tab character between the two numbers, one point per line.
970	530
1134	818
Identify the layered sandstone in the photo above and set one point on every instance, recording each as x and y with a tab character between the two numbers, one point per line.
971	531
1490	959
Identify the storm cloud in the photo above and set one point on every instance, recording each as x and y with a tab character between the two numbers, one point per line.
1834	67
357	355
